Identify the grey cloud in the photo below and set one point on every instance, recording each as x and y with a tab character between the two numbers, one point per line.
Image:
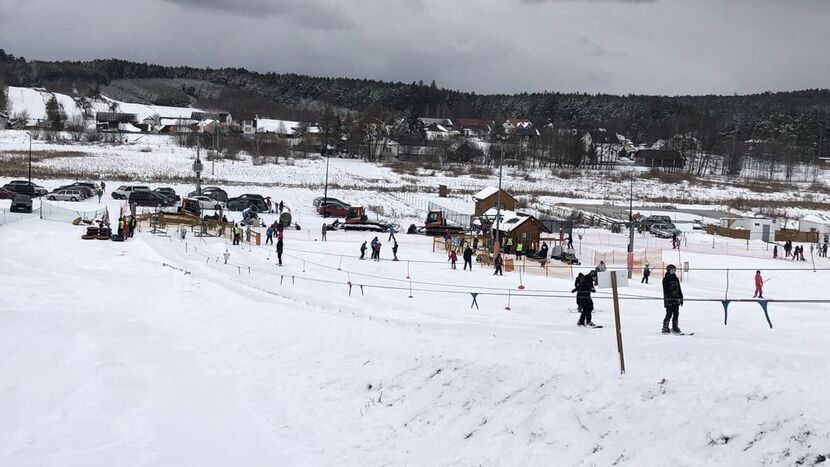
310	14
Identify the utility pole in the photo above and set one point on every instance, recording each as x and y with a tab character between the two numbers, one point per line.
30	158
497	246
197	167
631	228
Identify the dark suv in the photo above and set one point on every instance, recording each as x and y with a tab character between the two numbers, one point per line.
21	203
21	186
241	203
151	199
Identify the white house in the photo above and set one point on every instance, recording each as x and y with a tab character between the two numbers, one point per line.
760	228
816	223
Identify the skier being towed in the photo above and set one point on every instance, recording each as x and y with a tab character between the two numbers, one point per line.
583	299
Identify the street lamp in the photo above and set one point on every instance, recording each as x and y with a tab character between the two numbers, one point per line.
497	246
631	228
197	167
30	158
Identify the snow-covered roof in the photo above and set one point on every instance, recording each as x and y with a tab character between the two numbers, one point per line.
510	220
816	219
485	192
281	127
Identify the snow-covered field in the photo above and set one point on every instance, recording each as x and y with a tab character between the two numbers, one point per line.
155	352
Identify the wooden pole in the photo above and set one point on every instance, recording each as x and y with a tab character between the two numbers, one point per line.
617	321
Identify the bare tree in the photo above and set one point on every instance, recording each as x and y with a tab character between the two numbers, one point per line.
76	126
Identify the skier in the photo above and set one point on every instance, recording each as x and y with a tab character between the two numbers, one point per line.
373	244
226	255
824	250
279	250
99	192
377	250
570	240
395	251
795	254
468	258
363	250
584	301
775	251
323	231
131	224
498	262
269	235
759	285
672	300
103	186
674	241
453	259
391	235
788	246
282	206
578	280
801	253
646	274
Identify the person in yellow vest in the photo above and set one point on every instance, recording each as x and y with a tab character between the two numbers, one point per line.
519	249
508	246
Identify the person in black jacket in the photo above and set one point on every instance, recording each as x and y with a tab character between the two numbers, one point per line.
584	301
468	258
279	250
672	300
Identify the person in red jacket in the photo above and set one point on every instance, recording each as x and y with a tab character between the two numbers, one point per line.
759	285
453	259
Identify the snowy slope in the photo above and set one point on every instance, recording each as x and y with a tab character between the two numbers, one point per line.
107	356
33	101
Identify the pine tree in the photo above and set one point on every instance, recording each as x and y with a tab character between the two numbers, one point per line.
54	114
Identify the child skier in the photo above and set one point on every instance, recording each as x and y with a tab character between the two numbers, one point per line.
672	300
759	285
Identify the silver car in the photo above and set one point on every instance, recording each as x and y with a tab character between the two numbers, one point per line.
664	230
65	195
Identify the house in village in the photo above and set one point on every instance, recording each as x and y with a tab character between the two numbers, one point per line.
177	126
660	158
512	125
116	121
439	128
489	198
520	228
244	122
476	127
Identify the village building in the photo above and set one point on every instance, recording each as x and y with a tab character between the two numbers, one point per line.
489	198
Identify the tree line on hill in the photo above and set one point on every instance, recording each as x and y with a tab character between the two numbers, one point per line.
796	123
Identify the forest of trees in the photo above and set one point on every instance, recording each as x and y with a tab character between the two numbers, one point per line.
796	124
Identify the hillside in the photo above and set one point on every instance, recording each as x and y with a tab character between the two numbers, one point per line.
801	118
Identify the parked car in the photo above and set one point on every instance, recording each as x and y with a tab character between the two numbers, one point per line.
148	198
168	192
206	202
651	220
21	203
6	194
664	230
212	192
40	191
69	194
124	191
333	209
240	203
697	224
21	186
319	201
86	191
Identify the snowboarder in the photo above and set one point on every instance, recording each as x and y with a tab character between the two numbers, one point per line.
672	300
759	285
395	250
468	258
363	250
226	255
646	273
584	301
498	263
269	235
279	250
323	231
453	259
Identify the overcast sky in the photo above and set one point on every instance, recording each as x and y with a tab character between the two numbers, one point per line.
613	46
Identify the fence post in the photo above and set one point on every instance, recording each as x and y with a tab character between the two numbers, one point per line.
617	320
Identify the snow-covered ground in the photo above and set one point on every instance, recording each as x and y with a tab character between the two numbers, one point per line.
155	352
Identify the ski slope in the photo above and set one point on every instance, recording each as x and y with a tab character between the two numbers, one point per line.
154	352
